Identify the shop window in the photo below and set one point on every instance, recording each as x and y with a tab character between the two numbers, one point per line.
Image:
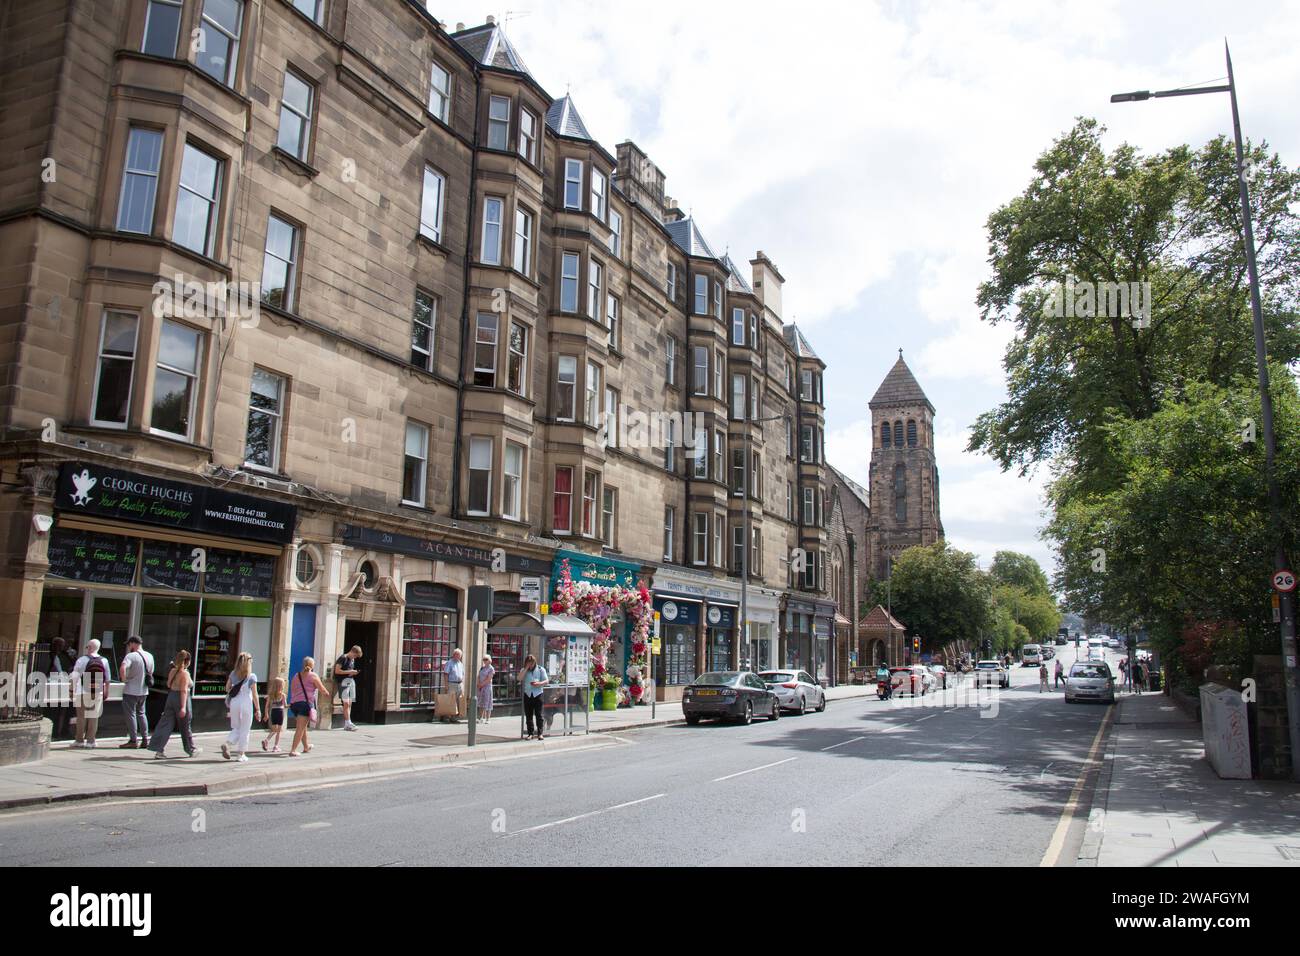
428	638
229	628
508	653
720	640
679	656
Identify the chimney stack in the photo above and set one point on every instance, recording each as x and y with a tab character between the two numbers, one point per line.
491	20
460	28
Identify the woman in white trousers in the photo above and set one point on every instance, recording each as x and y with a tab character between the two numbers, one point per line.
243	703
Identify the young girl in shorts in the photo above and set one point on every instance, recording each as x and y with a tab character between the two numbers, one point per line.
275	707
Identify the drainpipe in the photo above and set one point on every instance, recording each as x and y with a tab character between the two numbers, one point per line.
464	312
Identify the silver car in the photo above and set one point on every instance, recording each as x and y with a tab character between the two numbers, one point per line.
1090	680
796	690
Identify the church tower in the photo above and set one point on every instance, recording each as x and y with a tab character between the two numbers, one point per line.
904	474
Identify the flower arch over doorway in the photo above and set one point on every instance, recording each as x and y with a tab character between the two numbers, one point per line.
597	605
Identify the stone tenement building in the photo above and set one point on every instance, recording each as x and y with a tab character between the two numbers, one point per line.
309	305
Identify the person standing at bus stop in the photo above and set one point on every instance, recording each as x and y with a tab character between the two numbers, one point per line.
532	682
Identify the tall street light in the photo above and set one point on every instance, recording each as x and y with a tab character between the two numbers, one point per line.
1287	601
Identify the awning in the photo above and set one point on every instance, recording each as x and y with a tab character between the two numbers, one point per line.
534	625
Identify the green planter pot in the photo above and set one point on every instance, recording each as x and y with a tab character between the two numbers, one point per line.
609	700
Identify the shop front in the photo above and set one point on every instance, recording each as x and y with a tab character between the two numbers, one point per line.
607	573
763	627
416	604
808	643
184	566
699	625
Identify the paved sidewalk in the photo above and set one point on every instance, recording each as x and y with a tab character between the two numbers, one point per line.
69	774
1159	803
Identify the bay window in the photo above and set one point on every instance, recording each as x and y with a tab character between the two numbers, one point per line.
116	369
485	350
480	476
562	501
176	380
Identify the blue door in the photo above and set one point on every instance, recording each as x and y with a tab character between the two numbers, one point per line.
304	635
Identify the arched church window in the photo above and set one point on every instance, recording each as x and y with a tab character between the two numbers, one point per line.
885	435
898	434
911	434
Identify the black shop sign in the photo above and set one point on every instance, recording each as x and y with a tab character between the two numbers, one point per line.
125	496
370	539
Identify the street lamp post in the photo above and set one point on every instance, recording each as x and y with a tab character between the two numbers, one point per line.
745	544
1265	397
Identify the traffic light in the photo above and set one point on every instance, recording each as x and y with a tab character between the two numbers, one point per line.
916	645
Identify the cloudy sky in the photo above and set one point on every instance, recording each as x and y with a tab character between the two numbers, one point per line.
862	146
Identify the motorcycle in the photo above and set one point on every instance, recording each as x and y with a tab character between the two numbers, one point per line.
883	689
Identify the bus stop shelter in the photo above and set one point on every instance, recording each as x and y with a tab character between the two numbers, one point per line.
562	644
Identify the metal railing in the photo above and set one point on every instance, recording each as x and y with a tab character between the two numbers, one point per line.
16	662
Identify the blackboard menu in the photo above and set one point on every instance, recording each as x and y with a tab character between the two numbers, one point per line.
92	557
167	565
239	574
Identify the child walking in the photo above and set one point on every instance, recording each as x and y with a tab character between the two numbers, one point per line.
275	708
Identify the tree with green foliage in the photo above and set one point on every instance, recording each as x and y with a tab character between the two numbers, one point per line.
1159	513
940	595
1019	571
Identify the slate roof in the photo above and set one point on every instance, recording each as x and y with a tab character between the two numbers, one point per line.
735	281
853	487
795	339
900	387
563	118
689	238
489	45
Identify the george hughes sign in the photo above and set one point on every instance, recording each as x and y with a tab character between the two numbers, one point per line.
125	496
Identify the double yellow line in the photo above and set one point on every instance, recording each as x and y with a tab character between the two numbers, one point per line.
1054	848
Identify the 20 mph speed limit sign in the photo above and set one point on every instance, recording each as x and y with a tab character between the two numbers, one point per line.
1284	581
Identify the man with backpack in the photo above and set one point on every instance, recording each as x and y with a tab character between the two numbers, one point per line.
90	677
137	675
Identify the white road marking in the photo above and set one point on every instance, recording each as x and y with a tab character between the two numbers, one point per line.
316	826
843	743
766	766
585	816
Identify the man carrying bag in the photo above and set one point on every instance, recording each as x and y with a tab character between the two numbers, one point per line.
137	673
448	706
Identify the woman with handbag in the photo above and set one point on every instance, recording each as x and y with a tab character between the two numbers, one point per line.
304	691
242	703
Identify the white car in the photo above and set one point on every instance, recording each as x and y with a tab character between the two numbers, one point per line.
940	675
1090	680
989	673
1096	648
796	690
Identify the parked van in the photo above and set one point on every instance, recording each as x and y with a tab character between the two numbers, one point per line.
1031	655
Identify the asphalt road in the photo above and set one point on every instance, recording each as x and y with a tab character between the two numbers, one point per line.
867	782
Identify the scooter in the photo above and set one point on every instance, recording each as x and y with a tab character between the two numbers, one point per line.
883	689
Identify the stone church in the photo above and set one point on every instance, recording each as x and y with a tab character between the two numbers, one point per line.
900	508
